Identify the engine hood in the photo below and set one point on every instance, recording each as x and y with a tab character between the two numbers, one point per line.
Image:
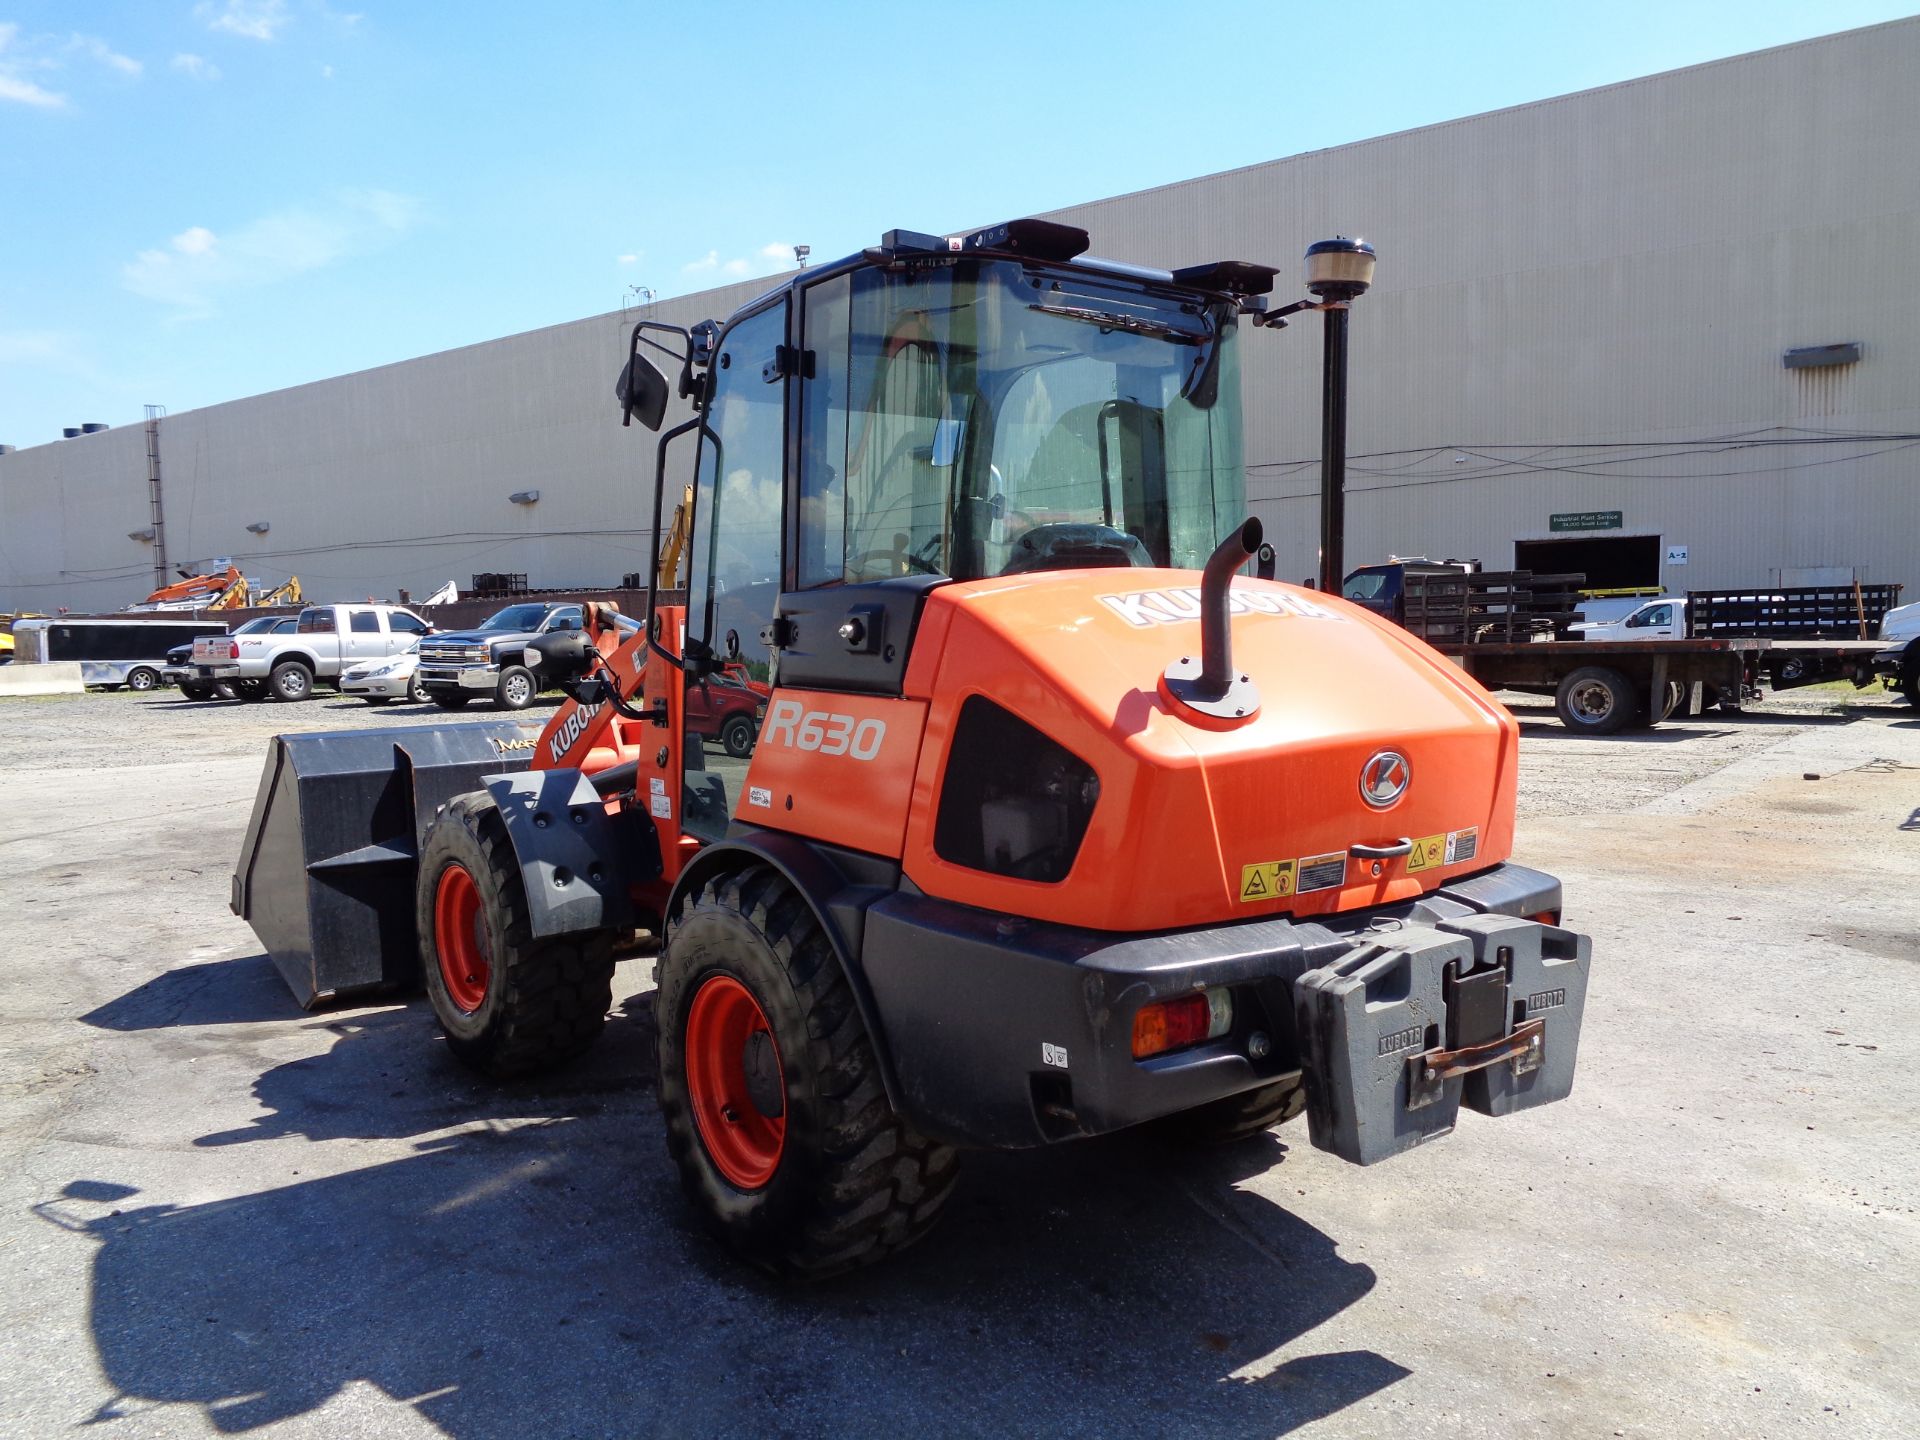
1198	823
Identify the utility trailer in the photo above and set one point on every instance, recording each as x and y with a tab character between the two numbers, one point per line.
1520	631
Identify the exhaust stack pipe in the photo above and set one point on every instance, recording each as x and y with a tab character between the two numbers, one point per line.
1213	688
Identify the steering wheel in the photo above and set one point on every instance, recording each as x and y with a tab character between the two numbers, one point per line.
895	561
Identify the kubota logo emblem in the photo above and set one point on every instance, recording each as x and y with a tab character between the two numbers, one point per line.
1384	778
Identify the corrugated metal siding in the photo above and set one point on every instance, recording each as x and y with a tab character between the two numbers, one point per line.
1621	267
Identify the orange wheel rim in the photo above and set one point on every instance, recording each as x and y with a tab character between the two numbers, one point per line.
727	1037
460	939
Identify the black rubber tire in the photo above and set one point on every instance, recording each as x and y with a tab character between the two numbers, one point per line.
854	1183
1582	694
736	737
143	679
1910	689
414	694
290	680
516	688
195	690
451	702
1237	1117
546	1000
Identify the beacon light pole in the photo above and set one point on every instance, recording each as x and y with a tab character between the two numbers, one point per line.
1338	272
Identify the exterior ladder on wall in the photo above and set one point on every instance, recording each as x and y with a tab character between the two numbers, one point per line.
160	577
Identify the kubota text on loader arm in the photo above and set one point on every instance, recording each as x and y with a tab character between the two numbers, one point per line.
1053	822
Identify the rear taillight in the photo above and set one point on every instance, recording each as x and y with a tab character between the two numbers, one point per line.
1174	1024
1546	917
233	650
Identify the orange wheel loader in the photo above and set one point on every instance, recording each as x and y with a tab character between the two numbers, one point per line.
1056	821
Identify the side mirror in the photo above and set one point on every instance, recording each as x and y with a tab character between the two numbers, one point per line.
642	392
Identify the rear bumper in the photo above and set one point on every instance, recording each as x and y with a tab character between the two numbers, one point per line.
1008	1033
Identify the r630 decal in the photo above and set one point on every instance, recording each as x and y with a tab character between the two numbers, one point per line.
790	723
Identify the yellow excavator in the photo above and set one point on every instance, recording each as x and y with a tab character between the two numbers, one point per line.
673	549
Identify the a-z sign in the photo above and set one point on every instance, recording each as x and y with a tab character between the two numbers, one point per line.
1586	520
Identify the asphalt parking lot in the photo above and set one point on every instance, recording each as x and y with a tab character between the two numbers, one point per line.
222	1215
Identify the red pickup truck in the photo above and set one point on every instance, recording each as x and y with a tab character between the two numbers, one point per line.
727	706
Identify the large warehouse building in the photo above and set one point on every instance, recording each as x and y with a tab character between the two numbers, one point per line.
1665	333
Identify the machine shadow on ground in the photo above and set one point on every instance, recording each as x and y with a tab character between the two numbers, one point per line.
528	1267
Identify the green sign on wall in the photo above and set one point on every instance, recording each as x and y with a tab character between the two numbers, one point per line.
1586	520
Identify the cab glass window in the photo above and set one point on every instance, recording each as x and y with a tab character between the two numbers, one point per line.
734	581
984	417
364	622
406	624
315	622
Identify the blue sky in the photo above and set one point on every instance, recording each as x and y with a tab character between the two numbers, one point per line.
200	201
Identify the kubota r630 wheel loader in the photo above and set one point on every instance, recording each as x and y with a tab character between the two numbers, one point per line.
1054	822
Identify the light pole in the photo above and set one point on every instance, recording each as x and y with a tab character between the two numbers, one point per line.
1338	272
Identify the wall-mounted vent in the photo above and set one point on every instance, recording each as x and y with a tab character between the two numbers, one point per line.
71	432
92	427
1813	357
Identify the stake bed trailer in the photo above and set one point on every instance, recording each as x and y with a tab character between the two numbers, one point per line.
1511	631
1600	686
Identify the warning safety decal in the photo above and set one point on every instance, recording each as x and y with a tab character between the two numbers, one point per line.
1427	854
1322	872
1278	879
1270	880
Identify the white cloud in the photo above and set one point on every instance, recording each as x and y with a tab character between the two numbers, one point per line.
251	19
196	241
25	92
94	48
197	66
50	352
711	263
14	84
326	72
628	259
777	251
197	266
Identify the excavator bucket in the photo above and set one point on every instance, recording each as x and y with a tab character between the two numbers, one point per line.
327	870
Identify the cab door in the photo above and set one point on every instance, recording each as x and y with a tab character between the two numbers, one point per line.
739	512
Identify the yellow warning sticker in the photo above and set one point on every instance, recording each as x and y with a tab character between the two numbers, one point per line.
1463	844
1272	879
1427	853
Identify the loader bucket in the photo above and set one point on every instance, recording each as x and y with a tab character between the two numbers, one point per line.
326	874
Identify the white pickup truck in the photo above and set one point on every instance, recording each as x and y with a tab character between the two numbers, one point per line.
1662	619
325	640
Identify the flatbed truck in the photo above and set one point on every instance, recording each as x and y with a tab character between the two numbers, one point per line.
1517	631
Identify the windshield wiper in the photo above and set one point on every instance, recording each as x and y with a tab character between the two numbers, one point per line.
1118	320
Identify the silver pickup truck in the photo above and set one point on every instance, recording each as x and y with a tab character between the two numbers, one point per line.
325	640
